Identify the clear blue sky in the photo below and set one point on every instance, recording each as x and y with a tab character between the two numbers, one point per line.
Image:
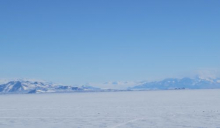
79	41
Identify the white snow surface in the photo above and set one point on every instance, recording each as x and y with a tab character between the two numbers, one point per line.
135	109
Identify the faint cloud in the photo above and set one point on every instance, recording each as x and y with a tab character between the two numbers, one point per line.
115	84
3	81
208	73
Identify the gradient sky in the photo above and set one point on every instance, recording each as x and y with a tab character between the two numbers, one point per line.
75	42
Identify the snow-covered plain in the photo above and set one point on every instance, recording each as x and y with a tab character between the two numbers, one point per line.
135	109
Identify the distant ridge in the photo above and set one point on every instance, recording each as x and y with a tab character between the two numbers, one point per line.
183	83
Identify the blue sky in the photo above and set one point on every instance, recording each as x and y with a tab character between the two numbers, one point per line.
75	42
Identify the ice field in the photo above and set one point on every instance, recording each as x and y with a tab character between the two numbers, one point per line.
136	109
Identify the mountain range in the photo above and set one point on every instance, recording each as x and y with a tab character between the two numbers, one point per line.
20	86
183	83
25	86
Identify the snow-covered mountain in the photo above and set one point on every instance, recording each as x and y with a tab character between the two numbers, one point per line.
20	86
25	86
183	83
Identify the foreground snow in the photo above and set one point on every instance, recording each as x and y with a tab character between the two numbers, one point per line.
140	109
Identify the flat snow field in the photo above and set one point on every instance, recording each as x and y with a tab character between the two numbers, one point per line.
136	109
